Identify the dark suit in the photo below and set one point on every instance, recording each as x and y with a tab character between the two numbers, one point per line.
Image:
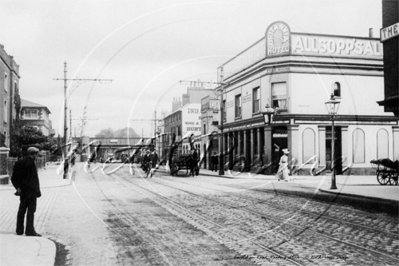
26	179
214	162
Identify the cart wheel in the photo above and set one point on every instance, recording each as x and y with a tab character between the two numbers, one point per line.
383	178
175	169
393	180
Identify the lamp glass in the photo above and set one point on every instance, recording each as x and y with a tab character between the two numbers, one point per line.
332	106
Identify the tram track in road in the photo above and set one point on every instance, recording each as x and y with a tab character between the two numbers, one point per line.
125	227
324	214
303	229
263	254
131	231
307	227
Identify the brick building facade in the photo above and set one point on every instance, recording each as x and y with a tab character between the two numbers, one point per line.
9	95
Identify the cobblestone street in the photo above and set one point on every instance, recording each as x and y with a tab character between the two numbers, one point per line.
121	219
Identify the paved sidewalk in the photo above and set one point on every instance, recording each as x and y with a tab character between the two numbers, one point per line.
365	186
23	250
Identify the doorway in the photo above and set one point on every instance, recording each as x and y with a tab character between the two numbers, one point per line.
337	150
279	142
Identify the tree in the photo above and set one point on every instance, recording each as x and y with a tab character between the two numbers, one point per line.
105	133
126	132
24	137
120	133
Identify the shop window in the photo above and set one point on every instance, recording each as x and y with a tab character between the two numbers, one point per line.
256	100
238	106
382	144
308	144
337	89
358	146
279	95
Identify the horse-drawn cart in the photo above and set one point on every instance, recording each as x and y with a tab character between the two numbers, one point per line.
387	171
184	162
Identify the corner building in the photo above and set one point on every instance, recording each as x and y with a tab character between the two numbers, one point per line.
296	73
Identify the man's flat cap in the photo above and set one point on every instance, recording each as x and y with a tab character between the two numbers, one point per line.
33	150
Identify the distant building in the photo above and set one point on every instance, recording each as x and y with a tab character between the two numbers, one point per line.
210	117
184	118
390	40
37	116
9	95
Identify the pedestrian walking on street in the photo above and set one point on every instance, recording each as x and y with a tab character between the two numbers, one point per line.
146	163
26	181
154	162
214	162
282	172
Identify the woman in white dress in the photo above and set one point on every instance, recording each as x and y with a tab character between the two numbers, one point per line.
282	172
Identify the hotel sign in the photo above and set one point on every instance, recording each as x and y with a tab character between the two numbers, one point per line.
278	38
389	32
335	46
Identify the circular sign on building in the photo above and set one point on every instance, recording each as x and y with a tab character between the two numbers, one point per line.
278	39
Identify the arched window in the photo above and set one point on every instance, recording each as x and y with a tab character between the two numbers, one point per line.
308	144
337	89
382	144
358	146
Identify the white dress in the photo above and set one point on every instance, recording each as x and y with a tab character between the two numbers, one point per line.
282	173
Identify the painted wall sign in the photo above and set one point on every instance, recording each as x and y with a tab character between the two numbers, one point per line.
247	98
335	46
389	32
248	57
229	104
191	119
277	69
278	37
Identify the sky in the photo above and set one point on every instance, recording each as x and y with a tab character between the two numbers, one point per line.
146	47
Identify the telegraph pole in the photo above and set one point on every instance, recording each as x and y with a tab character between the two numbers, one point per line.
221	166
65	79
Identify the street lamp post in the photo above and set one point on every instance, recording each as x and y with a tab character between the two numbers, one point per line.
332	108
268	119
221	152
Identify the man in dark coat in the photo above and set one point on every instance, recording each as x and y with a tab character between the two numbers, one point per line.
214	162
193	161
146	161
154	161
26	181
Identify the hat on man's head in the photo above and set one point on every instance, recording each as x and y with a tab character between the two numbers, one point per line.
286	151
33	150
